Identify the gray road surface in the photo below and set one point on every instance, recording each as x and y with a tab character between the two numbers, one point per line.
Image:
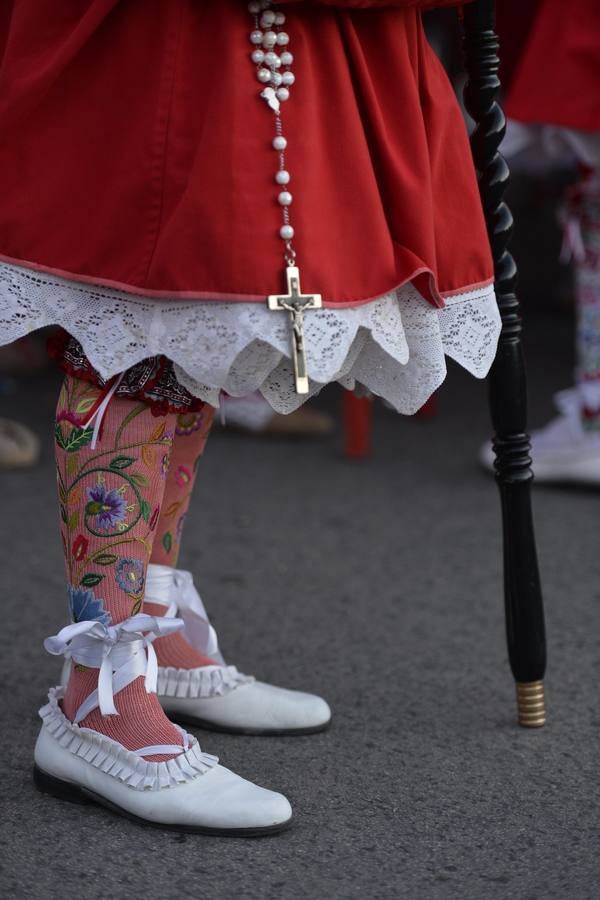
378	584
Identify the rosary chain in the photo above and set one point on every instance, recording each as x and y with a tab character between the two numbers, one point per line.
267	36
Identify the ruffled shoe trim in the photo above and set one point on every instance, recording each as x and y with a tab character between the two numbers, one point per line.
204	681
114	759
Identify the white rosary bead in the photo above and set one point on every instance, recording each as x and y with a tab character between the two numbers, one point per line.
266	42
267	18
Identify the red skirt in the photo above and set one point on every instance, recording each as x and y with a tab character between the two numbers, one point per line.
135	151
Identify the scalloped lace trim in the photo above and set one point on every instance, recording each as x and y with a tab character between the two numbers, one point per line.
395	346
204	681
114	759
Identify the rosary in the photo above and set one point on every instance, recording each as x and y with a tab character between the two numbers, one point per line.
273	59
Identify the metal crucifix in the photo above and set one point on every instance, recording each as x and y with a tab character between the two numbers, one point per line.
296	303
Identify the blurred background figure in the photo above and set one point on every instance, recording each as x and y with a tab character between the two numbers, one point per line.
553	109
19	446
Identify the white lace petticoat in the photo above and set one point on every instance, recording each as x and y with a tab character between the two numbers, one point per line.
395	345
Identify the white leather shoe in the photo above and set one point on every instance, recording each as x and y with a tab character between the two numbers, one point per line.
189	792
239	706
219	697
563	452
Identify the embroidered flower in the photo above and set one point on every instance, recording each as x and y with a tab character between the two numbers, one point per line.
137	606
108	507
187	423
129	574
84	606
79	549
65	415
179	529
183	476
164	465
154	518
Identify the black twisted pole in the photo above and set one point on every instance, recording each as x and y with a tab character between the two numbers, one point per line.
507	381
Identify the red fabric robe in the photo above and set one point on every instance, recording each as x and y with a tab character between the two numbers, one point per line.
135	151
558	79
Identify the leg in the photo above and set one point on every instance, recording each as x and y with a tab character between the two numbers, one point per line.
189	440
567	449
523	597
194	687
191	434
586	208
110	500
131	758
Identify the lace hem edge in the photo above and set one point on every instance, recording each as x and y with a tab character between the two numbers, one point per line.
394	346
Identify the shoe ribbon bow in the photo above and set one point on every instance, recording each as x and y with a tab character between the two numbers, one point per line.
121	652
175	589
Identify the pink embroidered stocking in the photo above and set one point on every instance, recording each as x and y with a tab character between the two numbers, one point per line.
110	500
191	435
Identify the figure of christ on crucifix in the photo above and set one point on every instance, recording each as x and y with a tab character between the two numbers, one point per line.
296	303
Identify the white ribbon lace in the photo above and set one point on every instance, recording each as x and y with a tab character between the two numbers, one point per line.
175	589
121	652
394	345
97	417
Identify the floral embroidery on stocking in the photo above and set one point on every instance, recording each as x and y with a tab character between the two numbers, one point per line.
85	606
191	434
106	498
110	498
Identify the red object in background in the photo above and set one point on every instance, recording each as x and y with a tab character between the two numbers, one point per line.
557	80
429	408
514	20
358	422
358	419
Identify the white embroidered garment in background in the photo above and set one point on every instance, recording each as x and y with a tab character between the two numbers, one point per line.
395	345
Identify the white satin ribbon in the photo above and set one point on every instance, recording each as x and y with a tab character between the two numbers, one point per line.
174	588
121	652
156	749
98	415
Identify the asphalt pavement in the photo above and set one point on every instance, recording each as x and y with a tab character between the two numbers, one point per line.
379	585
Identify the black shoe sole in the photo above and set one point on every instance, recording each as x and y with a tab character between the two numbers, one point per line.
63	790
182	719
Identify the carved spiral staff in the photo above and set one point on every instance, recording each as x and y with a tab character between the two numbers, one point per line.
507	381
